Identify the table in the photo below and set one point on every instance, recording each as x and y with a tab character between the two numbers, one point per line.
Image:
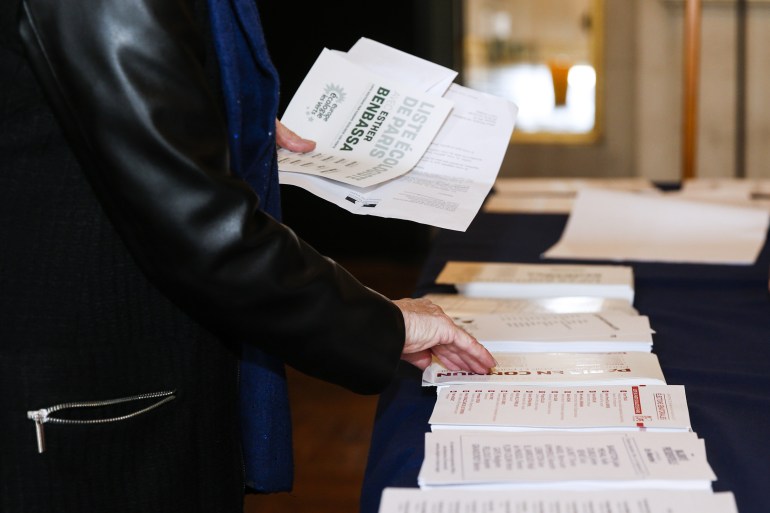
712	326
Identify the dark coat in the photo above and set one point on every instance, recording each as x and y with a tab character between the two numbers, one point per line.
132	262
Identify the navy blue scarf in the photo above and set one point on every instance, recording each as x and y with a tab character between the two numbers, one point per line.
250	87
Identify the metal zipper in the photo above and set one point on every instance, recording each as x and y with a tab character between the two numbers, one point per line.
43	415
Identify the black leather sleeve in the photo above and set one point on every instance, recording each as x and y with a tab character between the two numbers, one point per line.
126	80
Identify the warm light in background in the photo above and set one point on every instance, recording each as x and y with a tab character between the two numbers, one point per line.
538	54
530	86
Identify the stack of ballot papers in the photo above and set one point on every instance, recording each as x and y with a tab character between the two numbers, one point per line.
461	304
519	280
576	414
555	369
565	460
569	186
742	192
578	408
573	333
395	137
403	500
624	226
553	195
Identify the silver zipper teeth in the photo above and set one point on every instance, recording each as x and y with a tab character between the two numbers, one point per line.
42	415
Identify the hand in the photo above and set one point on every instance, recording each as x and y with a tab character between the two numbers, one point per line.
429	331
285	138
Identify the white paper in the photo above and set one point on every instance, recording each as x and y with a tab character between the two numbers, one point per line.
390	62
519	280
591	333
581	408
565	460
514	204
368	128
758	186
568	186
556	369
414	500
459	304
553	195
744	193
622	226
449	183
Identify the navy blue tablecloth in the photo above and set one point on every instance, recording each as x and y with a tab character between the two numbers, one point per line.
712	326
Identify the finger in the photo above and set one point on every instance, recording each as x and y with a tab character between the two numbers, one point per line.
452	362
476	349
449	355
421	359
288	139
475	358
455	361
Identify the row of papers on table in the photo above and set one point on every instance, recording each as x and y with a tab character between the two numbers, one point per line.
575	417
705	221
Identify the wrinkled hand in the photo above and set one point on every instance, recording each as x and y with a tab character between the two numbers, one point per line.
429	331
285	138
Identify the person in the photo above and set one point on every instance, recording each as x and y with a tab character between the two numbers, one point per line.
135	265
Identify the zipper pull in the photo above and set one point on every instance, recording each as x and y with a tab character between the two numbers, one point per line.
39	416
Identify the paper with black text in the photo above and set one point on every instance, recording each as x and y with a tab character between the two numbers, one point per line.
569	186
565	460
522	280
555	369
573	333
368	128
402	500
589	407
447	186
625	226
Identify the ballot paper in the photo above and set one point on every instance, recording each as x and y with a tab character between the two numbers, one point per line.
404	500
520	280
368	128
573	333
568	186
460	304
450	181
552	195
520	204
565	460
555	369
576	408
390	62
743	192
624	226
754	186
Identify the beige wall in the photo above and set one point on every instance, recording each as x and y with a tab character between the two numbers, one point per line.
659	71
613	154
758	104
547	28
643	97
